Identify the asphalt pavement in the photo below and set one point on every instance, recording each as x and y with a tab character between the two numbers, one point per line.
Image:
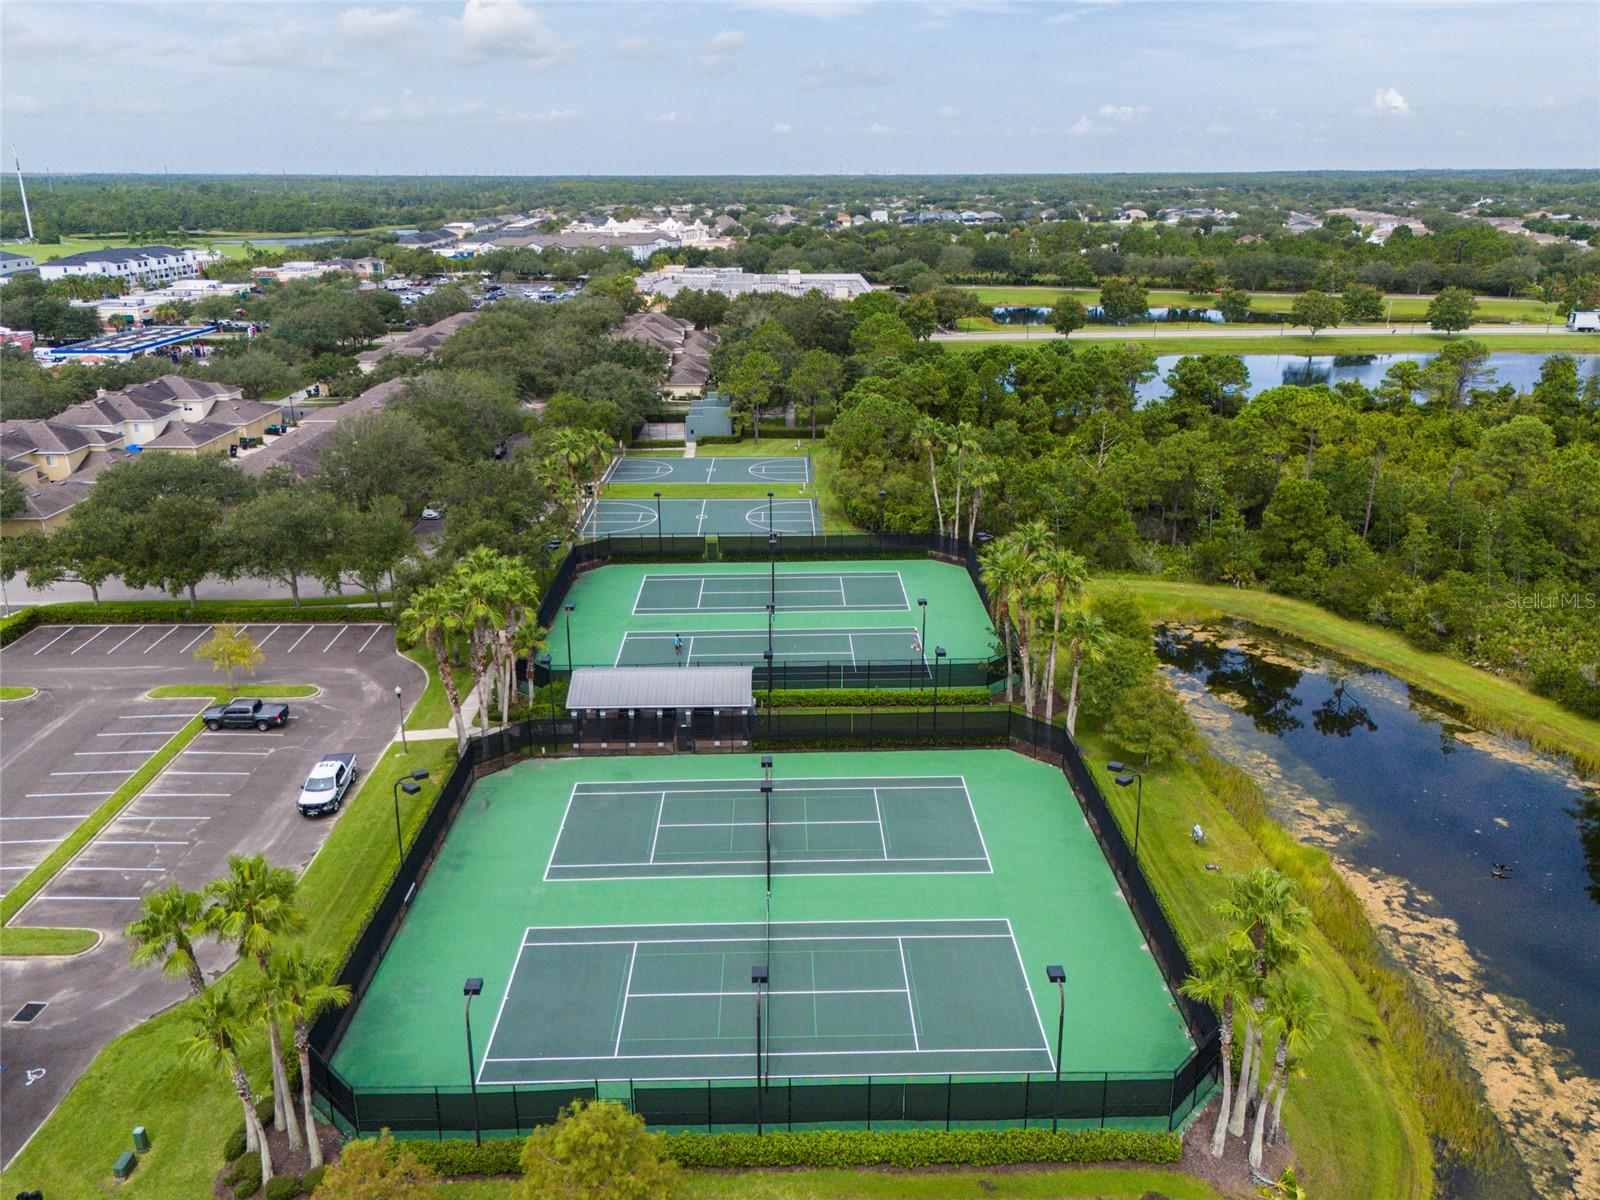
90	727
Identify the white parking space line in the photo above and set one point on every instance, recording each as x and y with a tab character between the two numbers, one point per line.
186	795
56	896
195	639
59	795
152	817
336	637
227	753
51	817
166	773
162	638
119	870
81	645
268	638
28	841
54	640
140	843
300	639
140	733
136	632
77	773
151	716
376	630
106	753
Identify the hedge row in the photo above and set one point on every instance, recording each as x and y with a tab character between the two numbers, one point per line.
655	444
865	742
143	612
846	1148
871	697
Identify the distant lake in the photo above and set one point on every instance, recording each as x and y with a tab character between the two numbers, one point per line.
276	241
1521	370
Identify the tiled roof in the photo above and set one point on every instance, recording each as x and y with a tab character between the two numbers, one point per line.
300	450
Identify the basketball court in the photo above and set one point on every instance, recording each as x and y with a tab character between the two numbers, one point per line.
712	469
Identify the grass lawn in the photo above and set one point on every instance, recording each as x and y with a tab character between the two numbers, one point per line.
20	941
220	691
14	692
139	1079
1400	306
432	709
40	252
1357	1089
1327	343
1100	1182
1490	700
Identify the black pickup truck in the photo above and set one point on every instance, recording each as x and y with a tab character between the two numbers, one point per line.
242	714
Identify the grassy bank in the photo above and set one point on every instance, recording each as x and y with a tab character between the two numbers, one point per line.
1325	344
19	941
1099	1182
432	709
16	693
219	691
1488	700
1399	306
140	1078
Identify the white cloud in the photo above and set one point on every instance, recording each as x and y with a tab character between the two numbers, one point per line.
1083	127
667	118
825	10
854	73
782	128
1386	102
949	110
381	27
717	53
21	105
1218	129
1124	112
284	45
879	129
508	29
409	108
636	49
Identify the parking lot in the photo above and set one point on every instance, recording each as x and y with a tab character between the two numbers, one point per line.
90	726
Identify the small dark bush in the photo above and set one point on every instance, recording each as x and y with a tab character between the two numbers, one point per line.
310	1180
264	1108
284	1187
245	1178
234	1147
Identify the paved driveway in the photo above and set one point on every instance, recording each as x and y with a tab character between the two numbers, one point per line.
229	792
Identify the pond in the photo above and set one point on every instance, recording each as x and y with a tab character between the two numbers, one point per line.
1421	807
277	241
1521	370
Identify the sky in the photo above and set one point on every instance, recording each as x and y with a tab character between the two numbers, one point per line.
767	87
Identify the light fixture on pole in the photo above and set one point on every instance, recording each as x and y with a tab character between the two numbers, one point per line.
922	603
404	784
570	609
758	979
938	656
404	748
769	513
550	682
766	804
1058	976
772	564
658	522
473	987
1125	777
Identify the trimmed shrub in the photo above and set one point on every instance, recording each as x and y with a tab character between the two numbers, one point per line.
233	1149
284	1187
19	623
245	1178
264	1108
656	444
497	1156
883	739
872	697
311	1180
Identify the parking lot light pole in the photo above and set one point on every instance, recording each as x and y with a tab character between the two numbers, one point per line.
758	977
1058	976
570	609
473	987
1125	777
407	785
658	522
404	748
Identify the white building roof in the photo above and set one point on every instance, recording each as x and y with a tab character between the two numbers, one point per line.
599	688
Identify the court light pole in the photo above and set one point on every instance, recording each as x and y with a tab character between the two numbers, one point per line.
769	512
938	654
766	800
473	987
401	704
550	682
766	657
404	784
658	522
1058	977
1125	776
758	978
922	603
570	609
772	566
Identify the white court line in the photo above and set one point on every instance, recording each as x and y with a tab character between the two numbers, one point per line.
195	639
336	637
54	640
622	1020
775	1054
883	837
268	638
756	862
137	630
376	630
161	639
1023	971
660	808
701	520
770	992
692	786
755	824
301	638
905	974
500	1012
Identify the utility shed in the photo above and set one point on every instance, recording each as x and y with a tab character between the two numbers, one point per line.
663	708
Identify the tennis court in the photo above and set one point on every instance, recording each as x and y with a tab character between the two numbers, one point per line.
751	590
633	469
842	998
697	517
795	647
828	826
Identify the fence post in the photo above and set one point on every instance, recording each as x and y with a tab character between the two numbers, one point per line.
1105	1086
869	1103
949	1092
438	1118
355	1110
1027	1095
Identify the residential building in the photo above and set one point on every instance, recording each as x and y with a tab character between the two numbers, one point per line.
145	264
688	349
22	339
732	281
426	239
417	343
14	264
880	215
299	450
55	464
640	245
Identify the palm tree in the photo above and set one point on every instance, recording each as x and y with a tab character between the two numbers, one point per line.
263	990
985	470
164	934
250	906
1267	925
431	617
1087	639
569	450
305	989
1219	977
1292	1010
994	565
1010	579
220	1023
963	441
599	445
930	434
1065	575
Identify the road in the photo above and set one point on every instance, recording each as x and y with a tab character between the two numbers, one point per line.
228	792
1158	331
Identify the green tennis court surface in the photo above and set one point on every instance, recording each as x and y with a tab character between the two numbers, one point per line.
796	469
796	591
830	826
843	998
837	648
696	517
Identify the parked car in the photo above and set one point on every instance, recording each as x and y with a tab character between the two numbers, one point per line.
433	512
325	787
243	714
